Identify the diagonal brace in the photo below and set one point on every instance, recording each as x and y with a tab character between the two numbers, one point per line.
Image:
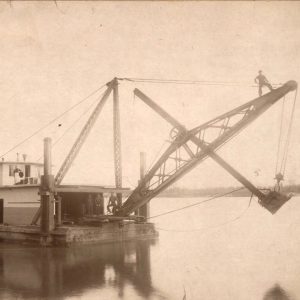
165	115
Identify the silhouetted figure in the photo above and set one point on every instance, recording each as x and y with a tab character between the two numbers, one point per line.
112	204
262	81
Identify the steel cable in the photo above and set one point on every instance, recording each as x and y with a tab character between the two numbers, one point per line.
286	147
52	121
197	203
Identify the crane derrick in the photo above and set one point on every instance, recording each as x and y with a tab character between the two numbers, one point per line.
188	148
112	86
83	135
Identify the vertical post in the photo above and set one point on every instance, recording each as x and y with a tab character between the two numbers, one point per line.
58	210
117	140
145	209
1	211
46	191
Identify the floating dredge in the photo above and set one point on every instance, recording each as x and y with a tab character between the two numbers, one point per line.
187	149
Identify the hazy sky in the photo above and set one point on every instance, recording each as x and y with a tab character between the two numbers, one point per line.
53	55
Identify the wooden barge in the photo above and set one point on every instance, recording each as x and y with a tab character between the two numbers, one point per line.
82	216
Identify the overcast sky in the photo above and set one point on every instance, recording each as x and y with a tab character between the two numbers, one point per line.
54	54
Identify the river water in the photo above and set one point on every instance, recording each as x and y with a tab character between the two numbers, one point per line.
219	250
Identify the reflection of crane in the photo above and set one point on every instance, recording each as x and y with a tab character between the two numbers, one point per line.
190	147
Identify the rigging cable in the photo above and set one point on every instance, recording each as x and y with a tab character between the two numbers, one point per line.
196	203
289	134
281	165
156	156
214	226
200	82
280	135
52	121
73	124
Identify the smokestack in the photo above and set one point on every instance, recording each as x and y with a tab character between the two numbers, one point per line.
17	156
24	157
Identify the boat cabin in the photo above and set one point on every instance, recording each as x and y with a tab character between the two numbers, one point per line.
18	173
20	199
19	186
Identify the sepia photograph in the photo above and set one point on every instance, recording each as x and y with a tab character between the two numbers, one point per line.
149	150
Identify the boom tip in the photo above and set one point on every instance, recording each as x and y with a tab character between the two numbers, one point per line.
292	84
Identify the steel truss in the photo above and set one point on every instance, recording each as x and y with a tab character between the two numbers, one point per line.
190	147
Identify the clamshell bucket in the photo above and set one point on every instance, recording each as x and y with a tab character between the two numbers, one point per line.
274	200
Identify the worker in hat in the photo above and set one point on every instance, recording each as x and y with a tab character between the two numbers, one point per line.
262	81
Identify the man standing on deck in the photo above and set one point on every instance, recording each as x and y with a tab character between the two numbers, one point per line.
112	204
262	81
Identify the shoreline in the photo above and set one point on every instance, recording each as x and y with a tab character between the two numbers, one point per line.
180	193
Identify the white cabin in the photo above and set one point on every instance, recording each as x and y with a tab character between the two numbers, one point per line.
15	173
19	187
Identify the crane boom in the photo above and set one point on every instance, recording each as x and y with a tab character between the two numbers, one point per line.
83	135
178	126
190	147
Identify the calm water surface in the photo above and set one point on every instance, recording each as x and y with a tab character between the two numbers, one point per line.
219	250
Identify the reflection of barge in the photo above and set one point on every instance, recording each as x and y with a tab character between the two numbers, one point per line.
58	273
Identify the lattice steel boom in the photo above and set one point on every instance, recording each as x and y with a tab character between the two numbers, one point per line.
190	147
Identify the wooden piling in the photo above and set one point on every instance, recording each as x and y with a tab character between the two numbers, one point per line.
58	211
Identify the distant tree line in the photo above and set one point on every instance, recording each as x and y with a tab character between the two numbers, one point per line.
206	192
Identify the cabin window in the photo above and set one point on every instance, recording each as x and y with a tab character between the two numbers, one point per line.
27	170
11	170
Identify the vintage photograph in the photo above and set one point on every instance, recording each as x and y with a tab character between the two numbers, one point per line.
150	150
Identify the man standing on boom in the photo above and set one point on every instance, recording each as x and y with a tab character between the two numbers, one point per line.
262	81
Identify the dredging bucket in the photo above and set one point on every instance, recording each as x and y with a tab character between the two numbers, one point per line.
274	200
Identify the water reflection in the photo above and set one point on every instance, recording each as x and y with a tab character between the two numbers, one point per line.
57	273
276	293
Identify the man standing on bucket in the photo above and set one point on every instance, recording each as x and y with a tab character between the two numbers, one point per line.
262	81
